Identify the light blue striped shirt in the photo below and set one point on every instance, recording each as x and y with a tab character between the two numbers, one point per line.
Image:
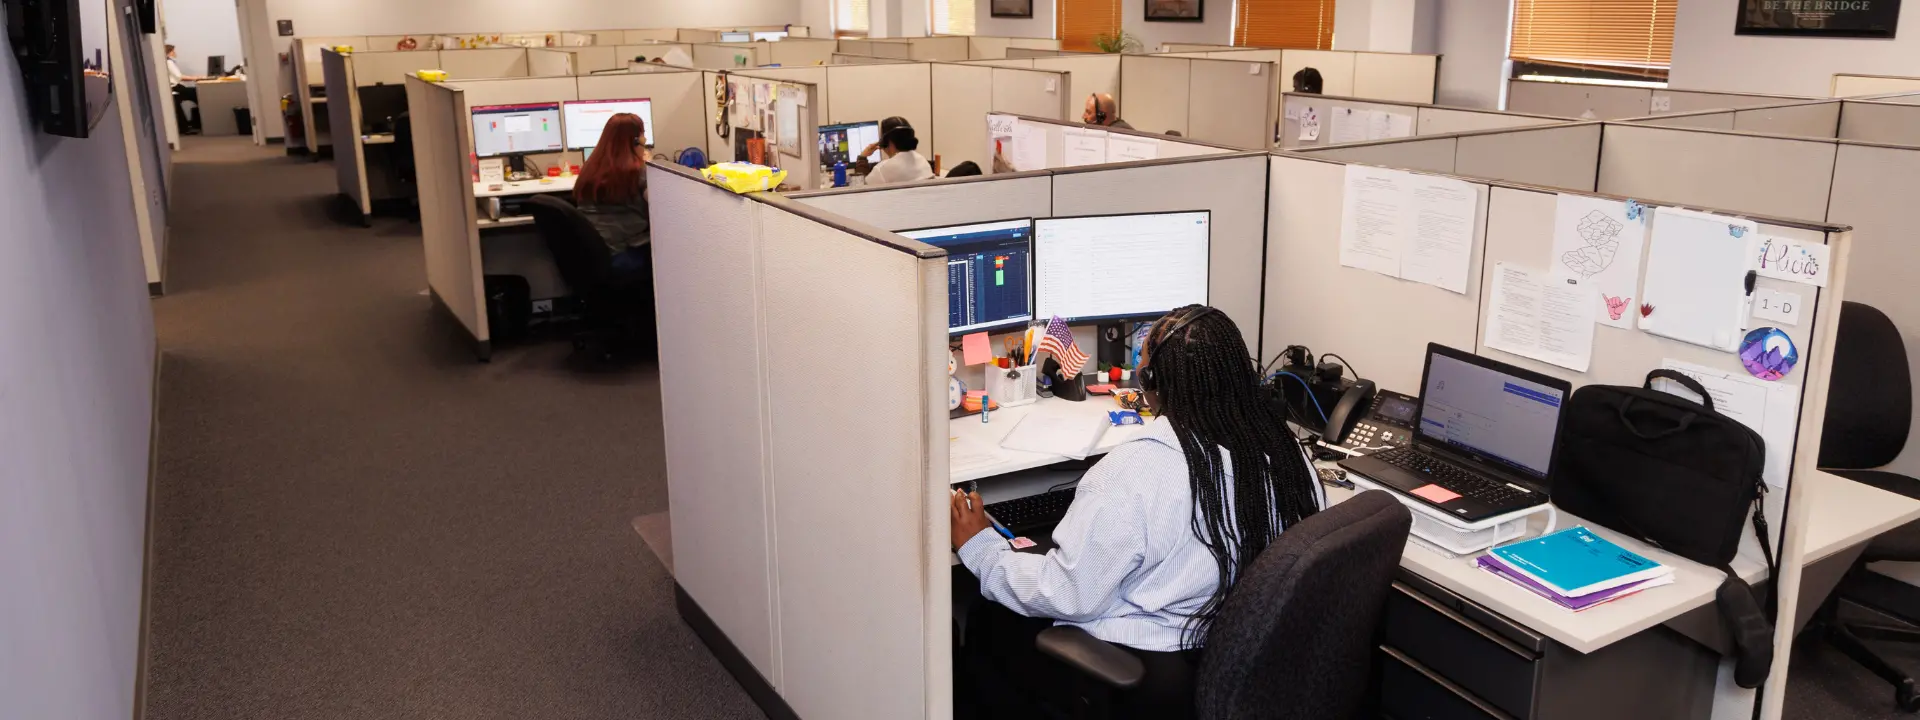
1128	569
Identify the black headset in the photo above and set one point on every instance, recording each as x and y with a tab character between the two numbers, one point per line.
1147	379
1099	109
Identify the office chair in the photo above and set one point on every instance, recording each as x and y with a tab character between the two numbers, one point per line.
1869	411
617	307
1296	635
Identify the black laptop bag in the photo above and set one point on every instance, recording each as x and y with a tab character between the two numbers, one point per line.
1679	476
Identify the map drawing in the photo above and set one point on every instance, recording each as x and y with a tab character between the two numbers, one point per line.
1602	237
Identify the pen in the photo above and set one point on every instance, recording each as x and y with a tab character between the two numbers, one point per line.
997	527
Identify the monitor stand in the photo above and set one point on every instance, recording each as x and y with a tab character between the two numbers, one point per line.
516	166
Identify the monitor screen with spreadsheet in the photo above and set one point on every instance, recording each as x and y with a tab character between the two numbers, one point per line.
989	273
516	129
1119	267
586	118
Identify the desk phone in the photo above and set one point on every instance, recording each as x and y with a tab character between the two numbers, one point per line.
1388	424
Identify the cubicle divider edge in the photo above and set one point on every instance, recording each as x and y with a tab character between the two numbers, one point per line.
343	114
448	216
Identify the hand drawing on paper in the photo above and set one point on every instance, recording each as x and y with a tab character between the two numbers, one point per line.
1602	235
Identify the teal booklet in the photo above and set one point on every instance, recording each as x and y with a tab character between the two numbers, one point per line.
1576	562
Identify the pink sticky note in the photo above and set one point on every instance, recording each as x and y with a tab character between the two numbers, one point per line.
1021	543
1436	494
975	349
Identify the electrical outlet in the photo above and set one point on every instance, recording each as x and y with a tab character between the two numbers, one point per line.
543	307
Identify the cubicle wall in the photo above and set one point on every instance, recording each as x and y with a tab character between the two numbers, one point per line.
1580	100
1093	144
1851	85
1799	118
343	112
1220	101
680	54
442	146
753	463
793	104
1326	115
802	51
840	58
1561	156
983	47
963	96
1892	121
1089	73
1231	186
728	56
895	49
1401	77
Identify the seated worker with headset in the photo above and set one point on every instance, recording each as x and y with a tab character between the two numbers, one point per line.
1102	109
1307	81
1156	534
903	163
612	192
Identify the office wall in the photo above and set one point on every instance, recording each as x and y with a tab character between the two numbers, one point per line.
1216	27
78	368
597	57
1708	55
1389	76
1779	177
1471	36
198	28
1879	122
1038	26
1231	102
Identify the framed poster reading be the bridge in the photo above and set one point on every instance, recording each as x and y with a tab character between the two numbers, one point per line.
1819	18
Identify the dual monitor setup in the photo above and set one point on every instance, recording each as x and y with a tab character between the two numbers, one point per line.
515	131
1095	269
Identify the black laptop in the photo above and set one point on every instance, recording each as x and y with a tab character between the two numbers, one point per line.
1484	441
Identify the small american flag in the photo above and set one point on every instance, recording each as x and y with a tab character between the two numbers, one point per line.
1059	341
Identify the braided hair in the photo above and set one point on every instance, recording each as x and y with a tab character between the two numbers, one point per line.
1206	386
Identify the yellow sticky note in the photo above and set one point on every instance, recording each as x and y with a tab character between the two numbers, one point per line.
975	349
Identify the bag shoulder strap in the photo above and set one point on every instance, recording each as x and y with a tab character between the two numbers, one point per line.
1686	382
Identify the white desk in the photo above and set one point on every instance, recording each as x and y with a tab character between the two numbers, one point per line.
1842	514
218	99
377	139
538	186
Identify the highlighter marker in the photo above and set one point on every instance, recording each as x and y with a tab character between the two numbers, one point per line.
985	402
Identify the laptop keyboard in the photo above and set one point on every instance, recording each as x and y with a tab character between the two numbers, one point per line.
1452	477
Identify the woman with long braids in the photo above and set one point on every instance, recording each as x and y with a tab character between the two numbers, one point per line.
1155	537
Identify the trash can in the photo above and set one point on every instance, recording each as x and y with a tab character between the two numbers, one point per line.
243	120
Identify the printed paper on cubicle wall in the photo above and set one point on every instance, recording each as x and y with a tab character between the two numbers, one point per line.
1410	226
1596	248
1534	317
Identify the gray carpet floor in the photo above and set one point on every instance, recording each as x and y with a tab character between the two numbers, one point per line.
354	519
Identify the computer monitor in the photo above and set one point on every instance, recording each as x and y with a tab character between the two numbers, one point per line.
216	66
989	273
1120	267
770	36
516	130
736	37
838	143
586	118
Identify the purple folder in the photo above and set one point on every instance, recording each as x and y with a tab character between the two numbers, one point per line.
1576	604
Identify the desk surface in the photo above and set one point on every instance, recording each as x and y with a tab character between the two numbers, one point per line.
523	187
1842	513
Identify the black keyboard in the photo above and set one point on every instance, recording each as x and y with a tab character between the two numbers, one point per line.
1452	477
1032	511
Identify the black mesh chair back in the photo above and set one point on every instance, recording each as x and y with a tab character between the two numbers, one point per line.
1870	395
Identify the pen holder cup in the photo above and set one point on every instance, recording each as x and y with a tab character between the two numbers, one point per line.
1013	387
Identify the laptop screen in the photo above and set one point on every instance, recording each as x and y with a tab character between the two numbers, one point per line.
1493	416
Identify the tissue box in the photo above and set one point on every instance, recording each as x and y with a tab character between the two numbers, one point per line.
743	177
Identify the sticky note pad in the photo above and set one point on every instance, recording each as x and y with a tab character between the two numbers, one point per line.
976	349
1436	494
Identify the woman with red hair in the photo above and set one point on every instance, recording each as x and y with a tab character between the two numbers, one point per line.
612	191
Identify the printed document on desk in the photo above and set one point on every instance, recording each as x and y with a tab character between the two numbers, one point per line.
1058	428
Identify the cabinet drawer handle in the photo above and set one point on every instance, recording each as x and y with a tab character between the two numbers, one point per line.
1449	613
1446	684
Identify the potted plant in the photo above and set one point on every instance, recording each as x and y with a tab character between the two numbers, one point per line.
1119	42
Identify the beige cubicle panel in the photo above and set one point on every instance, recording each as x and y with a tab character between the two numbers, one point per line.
694	36
677	99
987	48
343	113
733	56
1705	120
1304	271
1778	176
1023	52
853	46
1805	119
595	58
310	73
1231	102
898	49
1578	100
1394	76
442	144
1672	100
941	203
1880	122
1873	192
1851	85
845	59
665	50
1192	47
1037	93
750	560
484	63
1558	156
962	98
1436	154
1088	74
634	37
801	51
391	68
1231	187
1336	69
1437	120
868	93
542	62
1324	107
1155	92
513	91
944	48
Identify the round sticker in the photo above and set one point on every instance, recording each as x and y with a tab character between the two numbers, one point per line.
1768	353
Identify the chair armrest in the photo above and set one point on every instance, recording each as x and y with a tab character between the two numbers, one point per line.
1093	657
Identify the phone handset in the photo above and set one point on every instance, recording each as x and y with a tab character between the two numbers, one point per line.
1355	404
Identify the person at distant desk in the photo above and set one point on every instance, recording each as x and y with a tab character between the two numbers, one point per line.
903	163
1156	534
612	192
1307	81
1102	109
183	94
